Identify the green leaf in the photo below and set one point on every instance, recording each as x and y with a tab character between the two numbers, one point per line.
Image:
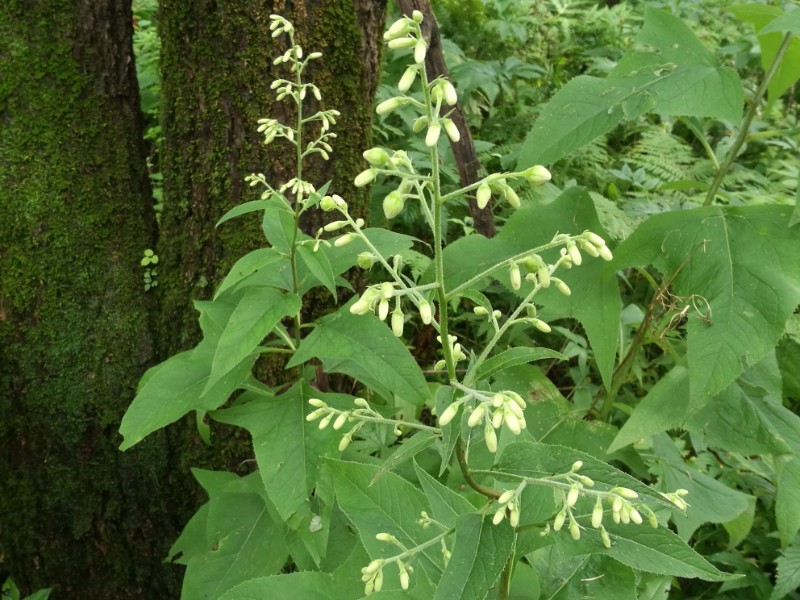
769	23
788	22
788	579
242	541
258	311
250	263
392	505
288	449
446	504
450	432
386	242
307	585
595	300
593	576
320	267
660	551
42	594
480	552
788	499
175	388
406	451
363	347
512	358
739	260
245	208
278	225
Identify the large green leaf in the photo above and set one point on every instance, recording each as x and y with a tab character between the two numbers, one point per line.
743	262
787	500
288	449
682	78
258	311
513	357
595	298
788	579
363	347
241	541
264	259
770	23
391	505
446	504
176	387
308	585
480	552
580	577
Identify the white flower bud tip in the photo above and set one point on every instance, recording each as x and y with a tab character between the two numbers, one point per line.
344	442
377	157
398	28
574	530
516	277
448	414
340	421
397	323
499	516
537	175
417	16
383	309
407	80
480	311
385	537
420	50
361	403
574	254
425	312
316	403
491	439
432	136
506	497
541	325
364	178
402	43
597	515
452	131
512	423
558	522
450	96
389	105
393	204
477	415
483	195
572	495
345	239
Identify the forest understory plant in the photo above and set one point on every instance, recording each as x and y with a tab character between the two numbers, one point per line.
360	477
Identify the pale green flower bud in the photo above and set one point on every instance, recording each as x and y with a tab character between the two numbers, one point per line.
449	92
397	323
652	520
541	325
377	157
605	537
385	537
334	226
345	239
404	580
636	517
516	277
451	130
425	312
574	253
605	253
432	137
326	421
615	517
365	260
513	517
345	442
572	495
576	466
499	516
490	437
379	581
399	28
365	178
402	43
361	402
361	306
477	415
440	365
511	196
498	400
383	309
417	16
506	497
586	481
393	204
625	493
574	530
625	514
316	414
616	504
497	418
327	203
387	290
316	403
597	514
537	175
512	423
420	124
480	311
340	421
390	105
407	80
420	50
562	287
558	522
448	414
543	273
590	249
483	195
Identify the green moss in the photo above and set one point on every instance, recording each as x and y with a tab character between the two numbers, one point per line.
74	335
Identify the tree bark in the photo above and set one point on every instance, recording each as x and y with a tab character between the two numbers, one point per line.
75	217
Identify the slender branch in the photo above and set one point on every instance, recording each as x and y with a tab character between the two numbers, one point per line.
465	471
748	119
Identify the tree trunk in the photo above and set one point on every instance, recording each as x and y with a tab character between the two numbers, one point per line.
75	217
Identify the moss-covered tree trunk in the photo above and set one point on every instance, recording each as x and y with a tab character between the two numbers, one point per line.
217	67
75	216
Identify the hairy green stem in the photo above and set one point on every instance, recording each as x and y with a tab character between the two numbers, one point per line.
467	473
748	119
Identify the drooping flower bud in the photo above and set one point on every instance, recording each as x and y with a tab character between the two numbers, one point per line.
407	80
383	309
448	414
537	175
477	415
483	195
377	157
397	322
449	92
490	437
452	131
399	28
516	277
597	514
420	50
365	178
425	312
574	253
393	204
365	260
402	43
390	105
432	136
417	16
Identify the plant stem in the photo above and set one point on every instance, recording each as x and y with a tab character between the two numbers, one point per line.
748	119
465	471
298	201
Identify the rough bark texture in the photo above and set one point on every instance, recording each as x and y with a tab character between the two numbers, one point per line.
75	216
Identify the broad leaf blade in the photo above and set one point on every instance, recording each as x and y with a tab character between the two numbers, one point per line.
363	347
480	552
308	585
787	501
261	259
513	357
320	267
258	311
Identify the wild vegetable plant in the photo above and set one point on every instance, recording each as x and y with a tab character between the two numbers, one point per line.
358	489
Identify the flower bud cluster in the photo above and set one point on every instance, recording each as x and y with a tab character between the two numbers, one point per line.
676	498
372	576
327	415
456	351
509	506
589	242
502	409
